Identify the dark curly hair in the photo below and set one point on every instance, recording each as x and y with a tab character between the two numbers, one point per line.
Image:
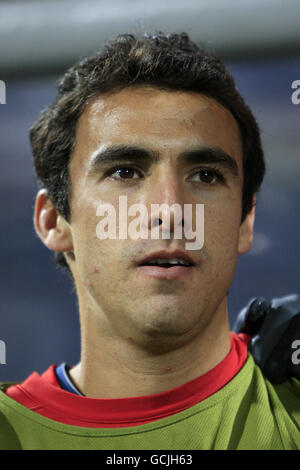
171	62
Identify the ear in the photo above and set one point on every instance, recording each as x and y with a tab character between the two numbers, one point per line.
246	231
51	227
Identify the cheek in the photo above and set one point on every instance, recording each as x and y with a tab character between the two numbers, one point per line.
221	232
98	267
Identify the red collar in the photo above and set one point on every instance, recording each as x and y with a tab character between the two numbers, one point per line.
42	394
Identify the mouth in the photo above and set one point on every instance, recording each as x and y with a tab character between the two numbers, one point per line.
167	259
165	272
163	265
167	263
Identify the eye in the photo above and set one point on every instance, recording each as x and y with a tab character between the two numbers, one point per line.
123	173
208	176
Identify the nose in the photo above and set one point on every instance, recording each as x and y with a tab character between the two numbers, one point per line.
166	203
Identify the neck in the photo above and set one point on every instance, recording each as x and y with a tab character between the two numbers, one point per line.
113	366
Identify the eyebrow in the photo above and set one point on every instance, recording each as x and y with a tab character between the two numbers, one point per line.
123	153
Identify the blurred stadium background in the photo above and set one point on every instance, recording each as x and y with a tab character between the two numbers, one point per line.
260	43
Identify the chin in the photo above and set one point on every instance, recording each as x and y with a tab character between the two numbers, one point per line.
169	325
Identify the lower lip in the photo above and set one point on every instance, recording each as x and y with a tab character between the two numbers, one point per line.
176	272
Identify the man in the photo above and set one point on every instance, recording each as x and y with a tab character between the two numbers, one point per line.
157	121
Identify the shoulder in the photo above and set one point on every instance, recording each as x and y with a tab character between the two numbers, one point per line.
8	435
282	399
289	395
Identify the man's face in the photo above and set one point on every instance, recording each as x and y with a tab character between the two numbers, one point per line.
167	125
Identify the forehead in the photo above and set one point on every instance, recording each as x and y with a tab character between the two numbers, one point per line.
163	120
